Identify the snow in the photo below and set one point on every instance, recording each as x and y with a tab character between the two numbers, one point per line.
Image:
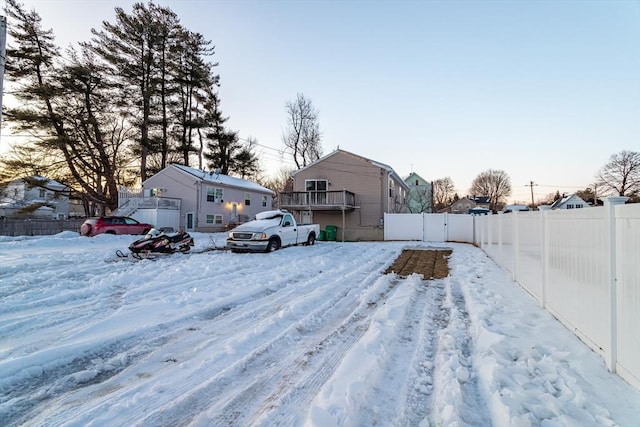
314	336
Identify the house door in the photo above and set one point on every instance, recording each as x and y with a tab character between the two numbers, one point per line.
189	221
306	217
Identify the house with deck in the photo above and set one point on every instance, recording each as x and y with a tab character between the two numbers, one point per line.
183	198
347	191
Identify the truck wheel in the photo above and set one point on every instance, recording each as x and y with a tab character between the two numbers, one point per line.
273	245
311	239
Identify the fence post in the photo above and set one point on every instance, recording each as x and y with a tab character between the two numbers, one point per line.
516	245
490	234
610	215
544	255
500	238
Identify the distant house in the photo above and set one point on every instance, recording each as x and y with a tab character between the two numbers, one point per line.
570	202
181	197
469	204
349	191
35	197
420	197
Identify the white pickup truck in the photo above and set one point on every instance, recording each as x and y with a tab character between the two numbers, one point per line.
270	231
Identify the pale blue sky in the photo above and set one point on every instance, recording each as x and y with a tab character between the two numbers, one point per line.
544	90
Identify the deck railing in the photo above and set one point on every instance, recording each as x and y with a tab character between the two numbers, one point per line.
318	198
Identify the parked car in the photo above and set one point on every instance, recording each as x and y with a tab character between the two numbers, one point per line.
270	231
113	225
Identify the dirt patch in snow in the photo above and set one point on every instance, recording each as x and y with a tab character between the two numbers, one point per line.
431	263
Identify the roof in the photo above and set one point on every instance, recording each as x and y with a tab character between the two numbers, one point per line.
220	179
412	176
388	168
561	202
44	182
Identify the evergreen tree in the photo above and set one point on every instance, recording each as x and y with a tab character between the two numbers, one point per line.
130	47
223	148
246	161
195	86
58	104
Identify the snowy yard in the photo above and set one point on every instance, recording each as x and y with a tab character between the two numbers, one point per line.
302	336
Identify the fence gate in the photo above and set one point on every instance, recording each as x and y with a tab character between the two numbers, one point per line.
429	227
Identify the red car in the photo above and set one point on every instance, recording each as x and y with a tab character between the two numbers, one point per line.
113	225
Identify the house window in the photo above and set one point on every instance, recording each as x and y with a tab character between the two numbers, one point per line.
264	201
215	195
247	199
315	184
579	206
317	189
41	193
570	206
214	219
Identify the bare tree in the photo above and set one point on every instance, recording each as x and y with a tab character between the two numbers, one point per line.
621	175
494	184
302	135
419	199
280	182
443	190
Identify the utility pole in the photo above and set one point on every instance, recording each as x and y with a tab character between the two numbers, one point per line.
531	185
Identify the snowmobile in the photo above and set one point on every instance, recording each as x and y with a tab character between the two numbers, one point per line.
157	243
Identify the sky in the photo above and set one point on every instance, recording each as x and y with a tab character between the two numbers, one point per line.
546	91
327	338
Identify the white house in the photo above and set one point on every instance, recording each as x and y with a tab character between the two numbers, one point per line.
570	202
181	197
35	197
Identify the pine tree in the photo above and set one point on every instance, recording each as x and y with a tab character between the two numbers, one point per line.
58	105
130	47
195	86
246	161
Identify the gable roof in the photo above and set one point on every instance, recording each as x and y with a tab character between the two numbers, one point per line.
220	179
388	168
412	177
563	201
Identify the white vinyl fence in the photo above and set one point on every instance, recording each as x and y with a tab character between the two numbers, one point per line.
583	265
429	227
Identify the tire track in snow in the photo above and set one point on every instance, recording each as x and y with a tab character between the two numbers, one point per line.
283	369
411	394
85	367
456	380
219	328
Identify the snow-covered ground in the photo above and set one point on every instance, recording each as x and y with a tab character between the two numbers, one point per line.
302	336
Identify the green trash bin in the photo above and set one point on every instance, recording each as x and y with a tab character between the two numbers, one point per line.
323	236
332	231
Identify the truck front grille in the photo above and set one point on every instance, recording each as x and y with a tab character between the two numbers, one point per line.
242	236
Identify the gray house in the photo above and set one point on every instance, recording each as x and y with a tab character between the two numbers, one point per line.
35	197
185	198
348	191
